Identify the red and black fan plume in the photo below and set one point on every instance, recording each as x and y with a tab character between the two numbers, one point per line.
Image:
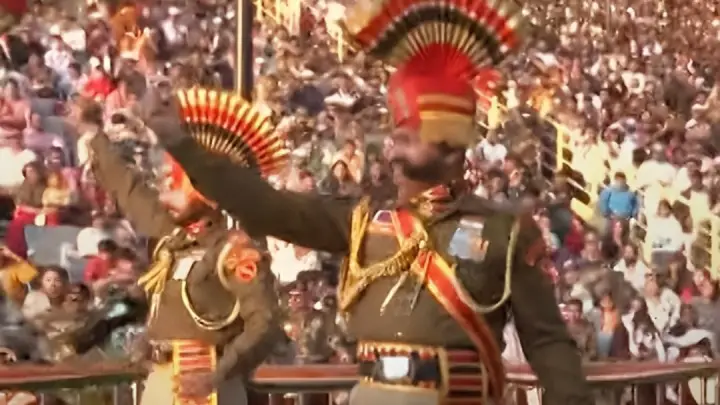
437	48
224	123
455	36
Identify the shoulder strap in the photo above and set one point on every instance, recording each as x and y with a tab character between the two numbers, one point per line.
439	277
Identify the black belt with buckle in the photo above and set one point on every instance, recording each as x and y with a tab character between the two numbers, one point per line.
458	373
403	370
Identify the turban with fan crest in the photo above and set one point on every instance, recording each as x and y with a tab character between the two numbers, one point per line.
437	48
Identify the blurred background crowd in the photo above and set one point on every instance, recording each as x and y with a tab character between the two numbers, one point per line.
604	126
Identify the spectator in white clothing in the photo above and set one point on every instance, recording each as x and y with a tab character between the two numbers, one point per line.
663	305
14	158
654	176
665	236
632	267
491	150
59	57
289	260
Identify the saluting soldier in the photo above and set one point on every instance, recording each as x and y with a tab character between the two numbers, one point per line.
213	315
430	283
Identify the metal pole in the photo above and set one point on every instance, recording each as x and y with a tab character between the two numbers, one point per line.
608	16
244	61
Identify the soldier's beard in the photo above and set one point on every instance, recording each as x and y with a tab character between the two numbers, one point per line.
431	171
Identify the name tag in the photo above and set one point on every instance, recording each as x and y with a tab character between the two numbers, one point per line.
395	367
182	268
467	242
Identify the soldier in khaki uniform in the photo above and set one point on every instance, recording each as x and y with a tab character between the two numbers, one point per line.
429	283
213	312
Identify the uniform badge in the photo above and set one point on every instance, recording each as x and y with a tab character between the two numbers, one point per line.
183	267
467	242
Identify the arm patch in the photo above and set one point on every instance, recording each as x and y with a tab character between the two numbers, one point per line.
239	258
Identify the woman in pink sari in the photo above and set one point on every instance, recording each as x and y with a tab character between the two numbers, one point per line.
28	204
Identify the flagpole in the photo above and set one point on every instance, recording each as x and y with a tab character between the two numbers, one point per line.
244	49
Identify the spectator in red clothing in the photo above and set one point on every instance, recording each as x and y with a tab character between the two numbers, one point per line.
98	266
124	266
575	238
680	279
121	274
98	85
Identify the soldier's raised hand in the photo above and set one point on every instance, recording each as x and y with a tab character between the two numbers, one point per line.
161	113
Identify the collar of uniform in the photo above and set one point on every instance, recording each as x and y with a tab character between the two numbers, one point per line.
432	201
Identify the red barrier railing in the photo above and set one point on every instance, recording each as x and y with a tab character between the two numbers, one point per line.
321	378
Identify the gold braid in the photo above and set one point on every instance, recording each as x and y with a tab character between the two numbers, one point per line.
354	278
153	281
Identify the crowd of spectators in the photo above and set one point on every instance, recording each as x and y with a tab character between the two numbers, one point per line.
628	87
630	90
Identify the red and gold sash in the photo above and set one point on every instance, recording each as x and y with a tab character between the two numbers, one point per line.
439	277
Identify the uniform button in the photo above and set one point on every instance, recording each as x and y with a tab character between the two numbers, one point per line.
398	334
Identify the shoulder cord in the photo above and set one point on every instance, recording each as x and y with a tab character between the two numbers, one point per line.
206	323
221	272
201	322
153	282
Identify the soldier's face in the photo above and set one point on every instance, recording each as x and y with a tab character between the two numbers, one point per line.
175	200
414	159
184	209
